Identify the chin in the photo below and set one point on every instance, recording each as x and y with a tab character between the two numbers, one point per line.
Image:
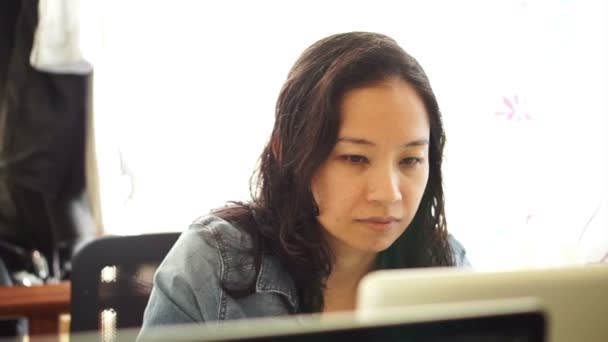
377	247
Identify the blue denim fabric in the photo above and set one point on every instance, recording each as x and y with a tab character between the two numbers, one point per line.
187	283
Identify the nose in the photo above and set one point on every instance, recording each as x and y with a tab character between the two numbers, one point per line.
383	185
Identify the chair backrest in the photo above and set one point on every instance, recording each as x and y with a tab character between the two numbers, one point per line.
112	279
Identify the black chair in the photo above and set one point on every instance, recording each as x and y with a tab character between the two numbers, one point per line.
112	279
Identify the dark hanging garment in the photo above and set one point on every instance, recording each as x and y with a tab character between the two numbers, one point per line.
42	150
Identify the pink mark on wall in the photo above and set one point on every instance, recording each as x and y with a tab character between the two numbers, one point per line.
514	109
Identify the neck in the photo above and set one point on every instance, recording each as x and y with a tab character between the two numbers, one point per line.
341	285
350	270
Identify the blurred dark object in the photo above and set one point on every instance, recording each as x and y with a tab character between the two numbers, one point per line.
112	279
42	148
43	208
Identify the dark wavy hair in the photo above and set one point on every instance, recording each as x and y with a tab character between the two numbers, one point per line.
282	217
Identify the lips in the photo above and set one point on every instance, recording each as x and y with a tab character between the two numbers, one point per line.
379	219
380	224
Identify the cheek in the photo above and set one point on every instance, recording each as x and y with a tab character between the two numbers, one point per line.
333	194
414	191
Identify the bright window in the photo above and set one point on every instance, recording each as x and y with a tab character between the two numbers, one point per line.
185	94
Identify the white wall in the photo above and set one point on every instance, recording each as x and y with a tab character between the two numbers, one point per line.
185	92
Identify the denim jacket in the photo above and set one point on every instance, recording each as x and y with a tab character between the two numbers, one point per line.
187	283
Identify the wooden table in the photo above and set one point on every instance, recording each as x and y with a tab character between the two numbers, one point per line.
41	305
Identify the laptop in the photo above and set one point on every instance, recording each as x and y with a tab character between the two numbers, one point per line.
512	320
575	298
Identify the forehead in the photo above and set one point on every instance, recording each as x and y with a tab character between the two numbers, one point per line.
390	111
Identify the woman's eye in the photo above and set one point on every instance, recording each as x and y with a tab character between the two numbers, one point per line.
411	161
355	159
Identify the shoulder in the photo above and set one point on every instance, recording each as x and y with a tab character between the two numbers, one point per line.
191	277
198	255
219	233
209	238
459	252
210	246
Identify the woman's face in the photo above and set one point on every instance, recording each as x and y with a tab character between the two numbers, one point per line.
369	188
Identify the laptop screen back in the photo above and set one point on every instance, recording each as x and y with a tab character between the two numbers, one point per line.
575	298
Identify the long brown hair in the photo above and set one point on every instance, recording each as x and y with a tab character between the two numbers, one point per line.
282	217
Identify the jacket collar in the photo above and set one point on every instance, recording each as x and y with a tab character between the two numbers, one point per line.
273	277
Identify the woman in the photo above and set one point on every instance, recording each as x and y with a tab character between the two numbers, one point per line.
349	182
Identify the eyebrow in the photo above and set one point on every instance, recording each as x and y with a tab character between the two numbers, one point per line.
360	141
